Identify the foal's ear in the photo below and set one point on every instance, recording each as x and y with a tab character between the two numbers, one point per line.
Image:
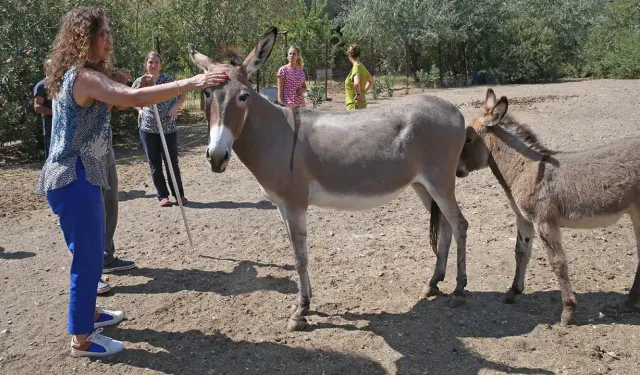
261	53
498	111
489	101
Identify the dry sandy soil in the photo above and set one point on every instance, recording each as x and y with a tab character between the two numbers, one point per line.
222	307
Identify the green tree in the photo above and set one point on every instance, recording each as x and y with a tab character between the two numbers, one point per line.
613	45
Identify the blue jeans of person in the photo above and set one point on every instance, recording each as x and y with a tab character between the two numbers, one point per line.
155	155
80	211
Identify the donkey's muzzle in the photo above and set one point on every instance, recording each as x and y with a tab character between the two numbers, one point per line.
218	159
461	172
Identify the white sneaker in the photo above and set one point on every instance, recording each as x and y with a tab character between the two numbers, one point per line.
96	345
106	317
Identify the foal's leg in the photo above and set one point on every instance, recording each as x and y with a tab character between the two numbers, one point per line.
634	293
444	243
524	245
295	220
444	195
551	238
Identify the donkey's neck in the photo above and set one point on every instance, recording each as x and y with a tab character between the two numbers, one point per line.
508	164
267	130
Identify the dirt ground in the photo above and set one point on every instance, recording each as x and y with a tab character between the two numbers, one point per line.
222	307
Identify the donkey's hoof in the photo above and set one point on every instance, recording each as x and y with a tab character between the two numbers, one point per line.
567	319
296	323
510	297
628	307
431	291
457	301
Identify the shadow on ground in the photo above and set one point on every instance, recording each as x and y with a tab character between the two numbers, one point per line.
15	255
429	336
261	205
194	352
242	279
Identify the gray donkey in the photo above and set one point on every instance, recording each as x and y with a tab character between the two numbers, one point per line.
344	160
549	190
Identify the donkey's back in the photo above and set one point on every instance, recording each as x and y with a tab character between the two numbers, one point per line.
595	187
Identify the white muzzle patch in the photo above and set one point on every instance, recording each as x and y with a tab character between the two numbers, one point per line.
220	147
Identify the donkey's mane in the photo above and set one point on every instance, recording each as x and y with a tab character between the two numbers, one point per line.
230	55
524	133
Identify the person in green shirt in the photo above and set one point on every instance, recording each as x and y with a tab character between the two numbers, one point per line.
358	82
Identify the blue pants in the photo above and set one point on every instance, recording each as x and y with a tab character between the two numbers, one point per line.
155	154
80	211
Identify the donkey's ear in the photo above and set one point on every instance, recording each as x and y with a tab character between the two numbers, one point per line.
499	110
489	101
261	53
199	59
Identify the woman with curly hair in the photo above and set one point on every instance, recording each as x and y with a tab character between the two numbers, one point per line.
75	171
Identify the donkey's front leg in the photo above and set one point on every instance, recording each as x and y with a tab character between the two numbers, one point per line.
524	246
551	238
295	220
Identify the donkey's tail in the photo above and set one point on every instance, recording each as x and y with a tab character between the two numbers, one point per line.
434	223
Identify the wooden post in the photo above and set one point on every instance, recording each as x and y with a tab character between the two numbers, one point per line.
373	59
406	52
466	69
326	68
440	59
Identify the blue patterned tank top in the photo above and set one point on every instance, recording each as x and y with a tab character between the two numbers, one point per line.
76	133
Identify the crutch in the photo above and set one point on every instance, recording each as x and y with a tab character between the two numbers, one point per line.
173	176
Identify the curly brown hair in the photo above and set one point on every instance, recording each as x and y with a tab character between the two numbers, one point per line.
73	46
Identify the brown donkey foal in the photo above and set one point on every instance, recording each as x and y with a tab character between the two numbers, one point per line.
549	190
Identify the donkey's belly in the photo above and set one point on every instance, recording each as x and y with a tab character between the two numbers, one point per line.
320	197
591	222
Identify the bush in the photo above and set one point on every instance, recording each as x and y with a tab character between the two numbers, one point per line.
387	83
377	88
316	95
428	78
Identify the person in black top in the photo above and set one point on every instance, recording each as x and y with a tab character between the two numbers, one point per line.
42	106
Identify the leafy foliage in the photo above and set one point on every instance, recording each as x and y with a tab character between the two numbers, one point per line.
613	45
316	95
441	42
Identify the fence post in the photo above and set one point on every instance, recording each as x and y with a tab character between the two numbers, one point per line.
373	60
326	66
406	52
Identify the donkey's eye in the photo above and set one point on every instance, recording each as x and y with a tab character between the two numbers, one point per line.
469	140
244	96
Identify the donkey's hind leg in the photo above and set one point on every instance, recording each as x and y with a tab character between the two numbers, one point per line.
551	239
444	195
634	293
444	243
